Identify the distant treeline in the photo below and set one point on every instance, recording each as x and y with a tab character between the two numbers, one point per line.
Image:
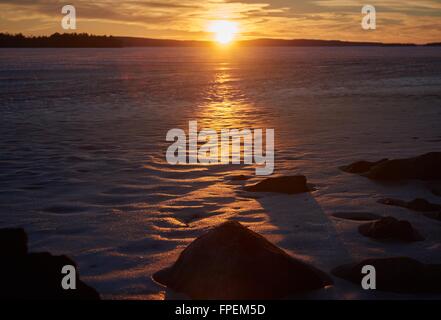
84	40
317	43
66	40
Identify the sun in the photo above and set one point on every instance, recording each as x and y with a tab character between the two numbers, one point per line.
224	31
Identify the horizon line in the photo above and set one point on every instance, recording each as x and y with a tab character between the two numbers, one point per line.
274	41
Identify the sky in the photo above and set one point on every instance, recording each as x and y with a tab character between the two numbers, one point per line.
416	21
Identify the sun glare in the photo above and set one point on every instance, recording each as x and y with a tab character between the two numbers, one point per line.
224	31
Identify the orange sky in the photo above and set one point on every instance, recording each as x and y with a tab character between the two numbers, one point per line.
417	21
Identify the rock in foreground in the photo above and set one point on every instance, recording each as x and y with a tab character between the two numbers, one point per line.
389	228
26	275
13	243
424	167
233	262
288	184
400	275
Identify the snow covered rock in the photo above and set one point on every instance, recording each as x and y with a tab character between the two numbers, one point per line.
389	228
287	184
424	167
233	262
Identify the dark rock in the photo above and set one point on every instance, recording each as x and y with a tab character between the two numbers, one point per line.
436	189
430	210
288	184
13	243
240	177
389	228
233	262
420	205
433	215
424	167
361	166
35	275
423	205
398	274
357	216
393	202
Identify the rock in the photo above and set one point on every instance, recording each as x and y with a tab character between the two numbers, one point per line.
233	262
357	216
361	166
430	210
397	274
424	167
418	204
35	275
436	189
433	215
423	205
389	228
13	243
288	184
240	177
393	202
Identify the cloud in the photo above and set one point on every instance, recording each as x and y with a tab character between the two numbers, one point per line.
398	20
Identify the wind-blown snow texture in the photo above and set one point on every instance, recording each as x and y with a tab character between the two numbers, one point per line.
82	152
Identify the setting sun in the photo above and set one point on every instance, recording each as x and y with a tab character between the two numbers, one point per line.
224	31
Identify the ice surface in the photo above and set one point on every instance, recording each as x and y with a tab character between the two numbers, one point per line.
83	169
